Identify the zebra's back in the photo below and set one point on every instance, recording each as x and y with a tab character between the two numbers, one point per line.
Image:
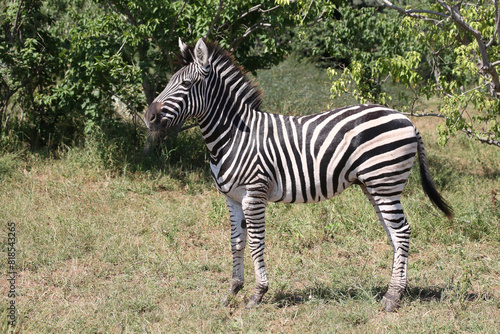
316	157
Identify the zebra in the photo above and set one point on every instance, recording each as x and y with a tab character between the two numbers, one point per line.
258	157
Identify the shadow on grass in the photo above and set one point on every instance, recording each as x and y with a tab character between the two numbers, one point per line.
325	293
184	158
434	293
179	155
424	294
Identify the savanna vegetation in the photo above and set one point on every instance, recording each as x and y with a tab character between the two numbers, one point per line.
110	238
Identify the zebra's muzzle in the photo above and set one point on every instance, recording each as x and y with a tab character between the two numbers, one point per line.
155	118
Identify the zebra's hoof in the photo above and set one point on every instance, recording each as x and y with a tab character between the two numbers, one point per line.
236	286
253	302
228	300
391	302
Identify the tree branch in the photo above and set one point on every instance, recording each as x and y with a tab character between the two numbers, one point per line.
481	136
216	18
16	21
318	19
229	24
251	10
497	20
496	34
257	8
413	12
175	21
485	65
167	53
127	13
484	140
423	115
308	9
249	30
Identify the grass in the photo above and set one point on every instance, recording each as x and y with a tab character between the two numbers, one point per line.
296	87
106	243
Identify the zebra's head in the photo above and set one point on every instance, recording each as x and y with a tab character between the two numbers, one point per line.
183	96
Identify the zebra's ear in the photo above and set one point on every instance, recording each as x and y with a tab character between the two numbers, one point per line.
201	53
182	46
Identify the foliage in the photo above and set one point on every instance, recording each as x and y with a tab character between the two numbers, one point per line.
30	63
434	49
69	69
60	72
66	66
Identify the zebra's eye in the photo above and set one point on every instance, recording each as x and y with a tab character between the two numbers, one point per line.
187	83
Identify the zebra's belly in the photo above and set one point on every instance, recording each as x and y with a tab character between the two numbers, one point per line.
237	186
301	190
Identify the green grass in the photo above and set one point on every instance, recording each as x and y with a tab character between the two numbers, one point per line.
109	243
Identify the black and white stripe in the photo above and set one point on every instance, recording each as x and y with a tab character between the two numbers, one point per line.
257	157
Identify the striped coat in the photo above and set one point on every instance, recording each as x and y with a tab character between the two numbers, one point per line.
258	157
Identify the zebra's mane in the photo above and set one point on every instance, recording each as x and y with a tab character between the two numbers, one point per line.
225	61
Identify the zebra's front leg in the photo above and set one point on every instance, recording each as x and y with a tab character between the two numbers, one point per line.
238	242
254	210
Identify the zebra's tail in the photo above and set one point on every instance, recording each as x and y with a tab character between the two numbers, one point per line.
426	180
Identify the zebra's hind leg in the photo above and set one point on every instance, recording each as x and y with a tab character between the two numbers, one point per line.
238	243
392	218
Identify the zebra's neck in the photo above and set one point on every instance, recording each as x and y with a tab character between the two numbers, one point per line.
232	101
224	126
